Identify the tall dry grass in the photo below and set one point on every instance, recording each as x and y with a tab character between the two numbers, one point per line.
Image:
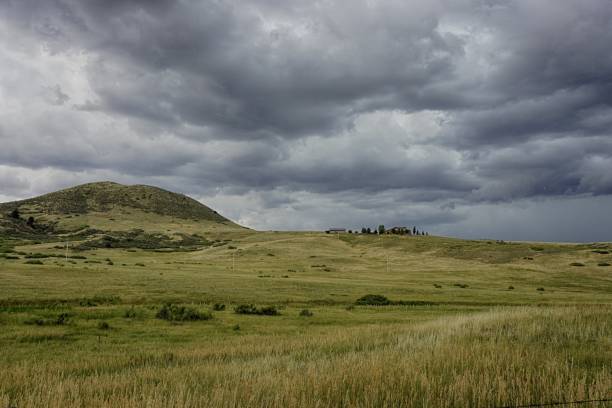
502	357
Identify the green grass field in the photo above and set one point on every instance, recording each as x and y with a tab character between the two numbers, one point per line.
483	323
83	285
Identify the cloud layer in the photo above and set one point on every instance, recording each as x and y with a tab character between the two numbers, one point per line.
298	115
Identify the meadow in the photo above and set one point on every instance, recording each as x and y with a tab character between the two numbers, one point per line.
470	323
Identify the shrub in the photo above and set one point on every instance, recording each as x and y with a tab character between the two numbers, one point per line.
34	262
437	286
373	300
236	327
510	287
350	307
576	264
306	313
130	313
175	313
37	256
540	289
601	251
218	307
599	264
461	285
103	326
269	311
139	264
62	318
253	310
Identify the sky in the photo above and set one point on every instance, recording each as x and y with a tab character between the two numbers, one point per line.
469	118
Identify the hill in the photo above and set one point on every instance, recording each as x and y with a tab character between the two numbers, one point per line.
90	209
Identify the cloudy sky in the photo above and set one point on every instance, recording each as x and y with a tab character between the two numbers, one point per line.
471	118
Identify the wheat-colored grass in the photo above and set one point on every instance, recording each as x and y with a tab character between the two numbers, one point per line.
501	357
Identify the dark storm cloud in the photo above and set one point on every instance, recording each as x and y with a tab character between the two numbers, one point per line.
407	109
250	69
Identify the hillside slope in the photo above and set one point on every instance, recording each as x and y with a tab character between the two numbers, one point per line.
105	196
108	206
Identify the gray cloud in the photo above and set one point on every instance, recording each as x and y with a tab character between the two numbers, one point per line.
298	114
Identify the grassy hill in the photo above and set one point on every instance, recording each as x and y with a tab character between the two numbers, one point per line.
467	323
106	197
91	211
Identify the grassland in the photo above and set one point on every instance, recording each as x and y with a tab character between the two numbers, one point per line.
473	342
469	324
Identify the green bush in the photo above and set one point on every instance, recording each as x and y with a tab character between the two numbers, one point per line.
34	262
175	313
373	300
306	313
103	326
253	310
540	289
38	256
130	313
599	264
218	307
60	320
576	264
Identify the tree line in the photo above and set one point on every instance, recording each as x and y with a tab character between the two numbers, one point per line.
394	231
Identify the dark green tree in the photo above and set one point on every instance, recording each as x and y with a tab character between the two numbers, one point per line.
381	229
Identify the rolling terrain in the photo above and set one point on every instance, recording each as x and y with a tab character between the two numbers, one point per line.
83	285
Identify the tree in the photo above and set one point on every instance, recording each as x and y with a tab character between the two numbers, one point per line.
369	231
30	222
381	229
15	214
414	231
363	230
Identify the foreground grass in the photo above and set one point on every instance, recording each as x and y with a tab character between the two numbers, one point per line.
503	356
495	324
